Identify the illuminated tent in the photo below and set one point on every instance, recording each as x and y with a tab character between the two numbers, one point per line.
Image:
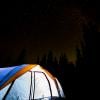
29	82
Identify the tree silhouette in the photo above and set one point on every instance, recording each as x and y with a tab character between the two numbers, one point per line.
63	64
90	34
86	57
78	60
43	61
22	59
52	64
38	60
55	62
8	62
50	58
86	60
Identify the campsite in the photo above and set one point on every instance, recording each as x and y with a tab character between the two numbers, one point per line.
49	49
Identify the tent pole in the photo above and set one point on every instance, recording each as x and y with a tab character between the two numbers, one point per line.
4	98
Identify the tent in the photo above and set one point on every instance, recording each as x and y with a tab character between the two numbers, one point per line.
29	82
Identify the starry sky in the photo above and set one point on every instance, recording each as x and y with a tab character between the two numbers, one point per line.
42	26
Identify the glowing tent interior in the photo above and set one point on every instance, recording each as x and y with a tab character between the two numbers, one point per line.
29	82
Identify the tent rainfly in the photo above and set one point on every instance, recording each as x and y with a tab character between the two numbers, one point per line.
29	82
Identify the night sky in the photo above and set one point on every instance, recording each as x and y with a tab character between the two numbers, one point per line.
42	26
